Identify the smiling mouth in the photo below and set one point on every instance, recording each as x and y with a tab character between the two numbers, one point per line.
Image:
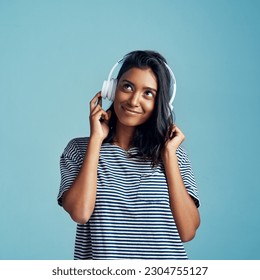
130	111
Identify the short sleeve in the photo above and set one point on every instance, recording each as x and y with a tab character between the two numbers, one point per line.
70	164
187	175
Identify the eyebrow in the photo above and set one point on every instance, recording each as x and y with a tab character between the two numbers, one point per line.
152	89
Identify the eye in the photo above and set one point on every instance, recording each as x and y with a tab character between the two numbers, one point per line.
127	87
149	94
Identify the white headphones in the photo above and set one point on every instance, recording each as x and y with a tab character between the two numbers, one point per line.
109	85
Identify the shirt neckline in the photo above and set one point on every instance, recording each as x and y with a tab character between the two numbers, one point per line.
120	148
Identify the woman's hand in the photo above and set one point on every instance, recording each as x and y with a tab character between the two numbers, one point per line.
98	118
174	139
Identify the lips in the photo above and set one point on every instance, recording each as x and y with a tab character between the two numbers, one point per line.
130	111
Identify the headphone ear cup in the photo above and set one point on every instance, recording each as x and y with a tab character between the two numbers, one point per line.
104	90
113	89
109	89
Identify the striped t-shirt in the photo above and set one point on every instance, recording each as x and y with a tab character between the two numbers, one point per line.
132	218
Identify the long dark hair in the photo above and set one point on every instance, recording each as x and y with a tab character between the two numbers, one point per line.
150	136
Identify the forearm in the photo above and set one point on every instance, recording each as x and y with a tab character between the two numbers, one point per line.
79	200
183	208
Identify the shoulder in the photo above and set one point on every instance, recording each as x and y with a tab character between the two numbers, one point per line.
76	147
79	141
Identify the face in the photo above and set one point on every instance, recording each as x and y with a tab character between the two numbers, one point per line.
135	96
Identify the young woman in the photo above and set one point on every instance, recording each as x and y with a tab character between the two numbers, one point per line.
130	185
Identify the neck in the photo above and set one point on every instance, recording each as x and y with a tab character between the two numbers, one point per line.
124	136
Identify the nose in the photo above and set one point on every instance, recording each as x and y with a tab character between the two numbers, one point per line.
134	99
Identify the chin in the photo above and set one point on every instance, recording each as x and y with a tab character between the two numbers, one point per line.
128	122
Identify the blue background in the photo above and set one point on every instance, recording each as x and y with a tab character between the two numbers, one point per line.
54	56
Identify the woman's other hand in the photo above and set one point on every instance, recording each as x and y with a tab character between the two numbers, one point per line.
174	139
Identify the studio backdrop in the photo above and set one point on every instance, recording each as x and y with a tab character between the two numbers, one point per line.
54	57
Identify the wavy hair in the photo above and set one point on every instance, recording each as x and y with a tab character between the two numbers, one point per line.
150	136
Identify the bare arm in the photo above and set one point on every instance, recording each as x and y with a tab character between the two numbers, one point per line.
79	200
183	208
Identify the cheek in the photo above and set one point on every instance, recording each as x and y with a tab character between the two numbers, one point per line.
116	106
118	98
149	107
117	102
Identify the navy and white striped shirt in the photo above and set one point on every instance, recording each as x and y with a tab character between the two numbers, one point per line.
132	218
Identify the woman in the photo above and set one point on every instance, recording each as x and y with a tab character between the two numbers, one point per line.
130	186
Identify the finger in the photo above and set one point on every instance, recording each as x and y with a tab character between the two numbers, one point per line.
179	133
174	127
99	103
109	114
99	114
102	114
177	130
93	103
171	131
106	116
96	106
95	109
